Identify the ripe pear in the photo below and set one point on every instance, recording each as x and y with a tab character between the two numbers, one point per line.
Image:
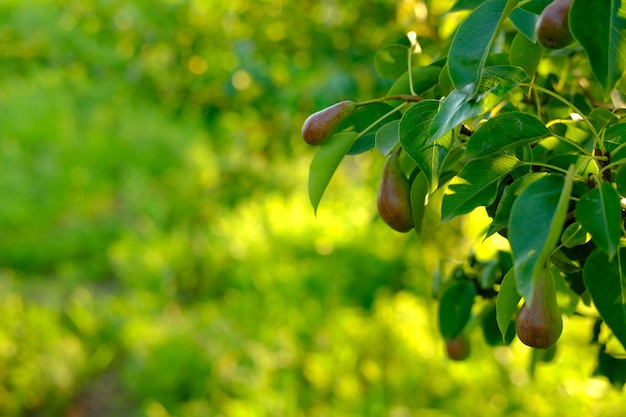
552	28
321	124
539	323
458	348
393	201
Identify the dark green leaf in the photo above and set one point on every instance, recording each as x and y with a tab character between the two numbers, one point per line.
461	105
504	131
535	225
620	179
525	22
612	368
472	42
614	137
364	116
414	130
325	163
476	185
455	308
600	27
536	6
363	144
606	282
506	302
600	213
387	137
419	195
391	61
503	212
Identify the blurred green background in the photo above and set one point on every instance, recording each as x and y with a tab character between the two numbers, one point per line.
159	256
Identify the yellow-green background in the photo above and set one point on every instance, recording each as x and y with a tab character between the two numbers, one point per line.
159	256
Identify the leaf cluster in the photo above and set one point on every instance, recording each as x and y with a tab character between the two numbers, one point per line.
536	137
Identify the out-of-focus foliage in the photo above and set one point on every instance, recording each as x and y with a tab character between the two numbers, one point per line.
158	256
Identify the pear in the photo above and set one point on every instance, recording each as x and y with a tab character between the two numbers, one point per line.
539	323
393	201
321	124
458	348
552	28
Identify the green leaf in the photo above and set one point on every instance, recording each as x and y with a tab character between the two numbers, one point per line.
620	179
391	61
614	137
525	53
606	283
535	225
574	235
476	185
363	144
419	199
364	116
423	78
506	302
466	5
325	163
525	22
503	212
461	104
600	213
414	130
455	308
472	42
600	27
614	369
387	137
504	131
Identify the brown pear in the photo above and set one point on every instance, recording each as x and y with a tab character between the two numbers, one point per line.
321	124
539	323
458	348
393	201
552	28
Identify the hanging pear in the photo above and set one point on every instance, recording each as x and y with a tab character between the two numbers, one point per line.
539	323
321	124
393	201
552	28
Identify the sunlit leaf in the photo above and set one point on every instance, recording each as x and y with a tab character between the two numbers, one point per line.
574	235
472	42
476	185
535	225
606	282
600	213
461	104
414	130
506	302
600	27
325	163
455	308
391	61
504	131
